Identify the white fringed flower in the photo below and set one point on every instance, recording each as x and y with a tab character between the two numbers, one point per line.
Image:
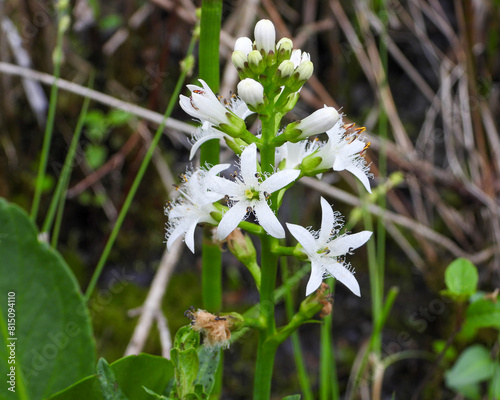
249	193
343	151
193	207
324	249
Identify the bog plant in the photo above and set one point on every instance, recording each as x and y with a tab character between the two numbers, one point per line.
248	196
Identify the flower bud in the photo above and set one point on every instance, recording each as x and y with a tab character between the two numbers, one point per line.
243	44
298	57
239	58
305	70
254	58
318	122
286	69
265	36
284	49
251	92
255	62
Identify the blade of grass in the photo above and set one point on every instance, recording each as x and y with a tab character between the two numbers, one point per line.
57	55
57	198
140	174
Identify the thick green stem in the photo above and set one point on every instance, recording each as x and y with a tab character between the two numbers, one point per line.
266	349
211	273
211	12
269	267
305	383
264	369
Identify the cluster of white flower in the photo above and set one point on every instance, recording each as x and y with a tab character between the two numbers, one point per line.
272	75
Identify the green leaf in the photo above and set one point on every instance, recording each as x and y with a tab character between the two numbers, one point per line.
111	22
132	373
96	155
186	368
461	277
495	383
483	313
292	397
55	346
209	362
118	117
471	391
474	365
110	388
156	395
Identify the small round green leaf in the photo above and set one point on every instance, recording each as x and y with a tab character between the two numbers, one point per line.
461	277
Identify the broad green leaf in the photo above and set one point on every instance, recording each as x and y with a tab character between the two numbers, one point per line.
292	397
461	277
483	313
131	373
474	365
110	388
55	347
209	362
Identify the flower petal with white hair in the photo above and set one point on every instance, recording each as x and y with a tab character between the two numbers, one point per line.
325	249
344	151
193	207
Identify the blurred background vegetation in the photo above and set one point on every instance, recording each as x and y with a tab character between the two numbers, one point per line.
421	75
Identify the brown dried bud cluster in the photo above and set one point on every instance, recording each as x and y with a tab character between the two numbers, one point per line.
325	299
215	329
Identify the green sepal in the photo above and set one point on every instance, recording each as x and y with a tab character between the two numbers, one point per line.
309	164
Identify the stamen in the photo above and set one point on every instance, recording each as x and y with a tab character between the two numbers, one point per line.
192	104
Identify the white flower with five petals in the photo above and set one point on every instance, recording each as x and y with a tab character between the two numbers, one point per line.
324	249
193	207
249	193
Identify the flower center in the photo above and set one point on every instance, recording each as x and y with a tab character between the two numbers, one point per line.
252	194
324	251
